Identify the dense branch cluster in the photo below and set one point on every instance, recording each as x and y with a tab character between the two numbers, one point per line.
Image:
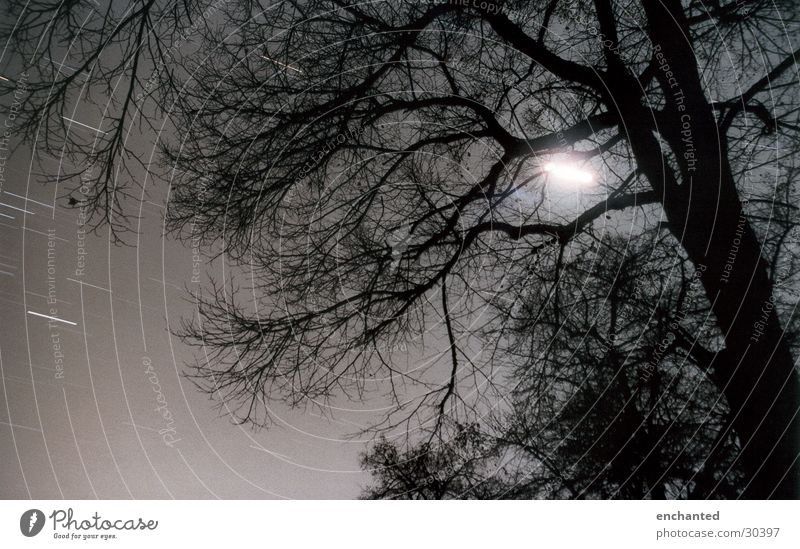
377	170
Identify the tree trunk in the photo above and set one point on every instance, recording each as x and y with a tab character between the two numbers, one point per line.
756	371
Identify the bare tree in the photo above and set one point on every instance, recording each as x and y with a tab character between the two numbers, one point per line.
107	60
614	395
381	169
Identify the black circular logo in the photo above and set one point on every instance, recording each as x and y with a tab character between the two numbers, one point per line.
31	522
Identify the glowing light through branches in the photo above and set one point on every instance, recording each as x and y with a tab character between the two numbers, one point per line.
568	173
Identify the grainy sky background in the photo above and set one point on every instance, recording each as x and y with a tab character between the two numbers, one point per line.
95	431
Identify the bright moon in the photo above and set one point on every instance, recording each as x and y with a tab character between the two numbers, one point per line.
568	173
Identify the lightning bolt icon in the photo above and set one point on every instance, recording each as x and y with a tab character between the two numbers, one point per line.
34	519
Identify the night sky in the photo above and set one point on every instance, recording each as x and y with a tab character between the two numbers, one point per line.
96	404
478	240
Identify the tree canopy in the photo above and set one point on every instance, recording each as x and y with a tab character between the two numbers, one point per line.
557	237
